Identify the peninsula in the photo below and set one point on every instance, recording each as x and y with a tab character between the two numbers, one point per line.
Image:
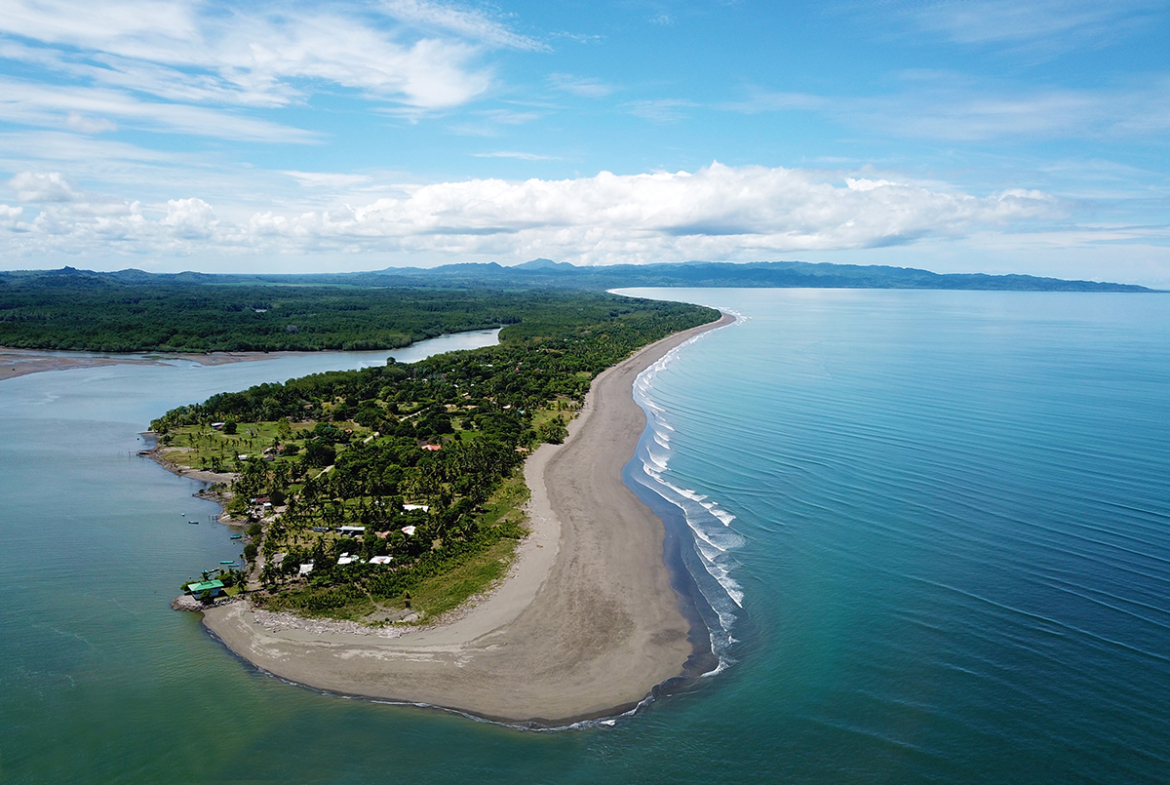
586	624
453	532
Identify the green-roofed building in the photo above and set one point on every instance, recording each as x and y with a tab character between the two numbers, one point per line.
214	588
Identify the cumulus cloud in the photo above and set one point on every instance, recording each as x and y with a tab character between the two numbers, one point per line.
716	212
190	218
10	215
42	187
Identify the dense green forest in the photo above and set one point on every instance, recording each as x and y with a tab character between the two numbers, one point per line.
203	318
131	310
421	459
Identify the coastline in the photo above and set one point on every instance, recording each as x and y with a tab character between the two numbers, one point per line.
158	455
586	624
21	362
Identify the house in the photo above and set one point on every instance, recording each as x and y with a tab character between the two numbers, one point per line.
409	530
212	588
305	569
351	531
381	559
432	447
413	507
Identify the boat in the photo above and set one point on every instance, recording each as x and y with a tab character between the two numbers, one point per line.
233	561
194	522
237	536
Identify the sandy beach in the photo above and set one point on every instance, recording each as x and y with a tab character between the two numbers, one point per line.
586	624
19	362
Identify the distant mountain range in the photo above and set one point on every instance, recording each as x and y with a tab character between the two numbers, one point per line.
545	273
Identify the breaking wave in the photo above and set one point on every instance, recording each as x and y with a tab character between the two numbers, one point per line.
710	561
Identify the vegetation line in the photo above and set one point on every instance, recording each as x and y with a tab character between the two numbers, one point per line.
392	494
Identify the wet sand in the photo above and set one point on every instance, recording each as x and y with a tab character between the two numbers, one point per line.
19	362
586	625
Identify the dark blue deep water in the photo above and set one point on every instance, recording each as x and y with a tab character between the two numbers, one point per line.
931	531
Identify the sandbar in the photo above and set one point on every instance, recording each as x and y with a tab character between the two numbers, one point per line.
586	625
20	362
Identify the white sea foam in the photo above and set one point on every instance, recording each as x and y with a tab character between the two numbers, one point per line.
713	537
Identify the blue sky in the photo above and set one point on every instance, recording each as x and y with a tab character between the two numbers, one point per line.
959	135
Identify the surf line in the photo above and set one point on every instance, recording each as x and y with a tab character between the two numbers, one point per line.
699	538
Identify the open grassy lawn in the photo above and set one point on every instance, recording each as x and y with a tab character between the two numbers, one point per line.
201	446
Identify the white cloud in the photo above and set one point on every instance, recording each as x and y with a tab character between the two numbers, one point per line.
716	212
963	114
582	86
327	179
63	106
190	218
1054	24
519	156
263	55
949	107
766	101
466	22
43	187
661	110
10	215
508	116
89	125
863	184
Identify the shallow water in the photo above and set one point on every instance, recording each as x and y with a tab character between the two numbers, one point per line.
945	514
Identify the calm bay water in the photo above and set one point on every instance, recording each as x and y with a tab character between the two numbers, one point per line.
935	525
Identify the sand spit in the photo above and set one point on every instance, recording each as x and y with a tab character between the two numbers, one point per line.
19	362
586	625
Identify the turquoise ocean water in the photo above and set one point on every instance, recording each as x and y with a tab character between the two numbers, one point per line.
929	532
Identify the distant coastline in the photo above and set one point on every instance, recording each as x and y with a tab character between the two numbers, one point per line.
586	625
547	274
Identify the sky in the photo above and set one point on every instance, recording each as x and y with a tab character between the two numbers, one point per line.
993	136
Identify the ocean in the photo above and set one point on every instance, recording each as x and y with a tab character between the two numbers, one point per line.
928	533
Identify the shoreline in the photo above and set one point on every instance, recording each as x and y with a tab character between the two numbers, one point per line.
586	625
21	362
157	454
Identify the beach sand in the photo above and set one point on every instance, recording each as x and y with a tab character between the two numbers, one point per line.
20	362
586	625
